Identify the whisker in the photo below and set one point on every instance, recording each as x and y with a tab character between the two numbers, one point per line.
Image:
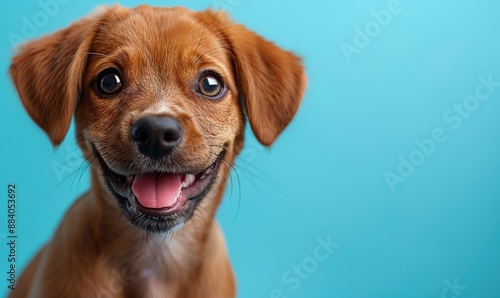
72	56
199	42
216	48
211	216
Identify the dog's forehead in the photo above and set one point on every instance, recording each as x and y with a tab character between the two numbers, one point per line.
147	37
173	29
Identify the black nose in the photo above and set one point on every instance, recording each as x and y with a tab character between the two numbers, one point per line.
156	136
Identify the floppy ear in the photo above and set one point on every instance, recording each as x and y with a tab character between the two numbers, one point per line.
271	80
48	75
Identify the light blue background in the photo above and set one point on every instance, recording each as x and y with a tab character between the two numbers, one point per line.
325	175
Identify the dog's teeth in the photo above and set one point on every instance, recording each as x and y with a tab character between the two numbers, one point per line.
188	180
208	171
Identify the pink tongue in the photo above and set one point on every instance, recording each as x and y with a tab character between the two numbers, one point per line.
155	191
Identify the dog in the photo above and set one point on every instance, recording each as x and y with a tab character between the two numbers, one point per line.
160	99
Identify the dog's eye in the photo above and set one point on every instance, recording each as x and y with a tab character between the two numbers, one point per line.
210	85
109	82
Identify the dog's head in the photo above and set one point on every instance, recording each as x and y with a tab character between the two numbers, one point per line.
159	97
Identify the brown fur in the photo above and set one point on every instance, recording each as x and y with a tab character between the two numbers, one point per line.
96	252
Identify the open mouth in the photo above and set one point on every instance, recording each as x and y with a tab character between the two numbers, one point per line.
160	201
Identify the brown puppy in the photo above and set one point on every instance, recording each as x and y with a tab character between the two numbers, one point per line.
158	97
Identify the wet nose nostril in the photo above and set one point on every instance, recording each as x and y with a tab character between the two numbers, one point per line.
156	136
142	137
140	133
171	136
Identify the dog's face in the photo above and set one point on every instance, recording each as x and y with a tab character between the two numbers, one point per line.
160	114
157	97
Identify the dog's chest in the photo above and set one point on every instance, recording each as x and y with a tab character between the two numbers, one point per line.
154	276
148	284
